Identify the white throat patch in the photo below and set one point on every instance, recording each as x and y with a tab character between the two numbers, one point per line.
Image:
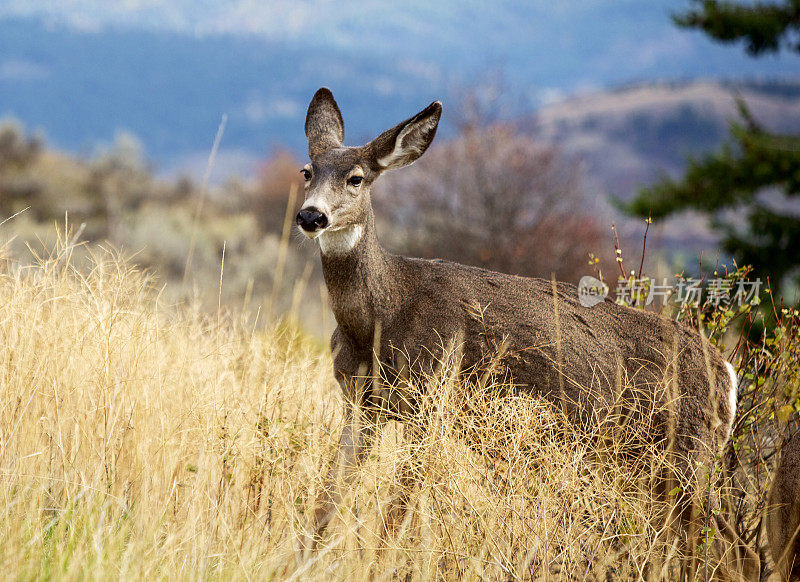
340	241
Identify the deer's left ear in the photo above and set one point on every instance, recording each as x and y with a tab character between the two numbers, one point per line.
407	141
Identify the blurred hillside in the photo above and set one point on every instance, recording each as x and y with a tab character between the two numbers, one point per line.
175	228
630	135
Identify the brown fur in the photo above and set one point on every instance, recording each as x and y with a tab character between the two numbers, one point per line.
550	346
783	512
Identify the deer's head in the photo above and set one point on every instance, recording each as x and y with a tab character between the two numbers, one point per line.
338	179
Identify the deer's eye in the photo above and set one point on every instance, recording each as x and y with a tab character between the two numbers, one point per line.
355	181
306	174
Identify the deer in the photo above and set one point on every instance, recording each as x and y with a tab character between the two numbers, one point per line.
783	512
398	313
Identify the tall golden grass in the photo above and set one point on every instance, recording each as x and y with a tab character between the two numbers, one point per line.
143	440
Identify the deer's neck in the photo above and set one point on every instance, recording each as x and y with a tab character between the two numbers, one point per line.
362	286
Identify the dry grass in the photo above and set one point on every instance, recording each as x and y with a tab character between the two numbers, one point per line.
140	440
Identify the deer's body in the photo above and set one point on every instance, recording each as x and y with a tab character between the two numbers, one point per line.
420	304
783	512
403	312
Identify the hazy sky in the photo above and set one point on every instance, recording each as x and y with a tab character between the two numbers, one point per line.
593	42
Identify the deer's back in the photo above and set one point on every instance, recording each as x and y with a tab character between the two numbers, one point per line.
554	346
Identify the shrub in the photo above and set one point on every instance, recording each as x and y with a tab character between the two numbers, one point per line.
495	198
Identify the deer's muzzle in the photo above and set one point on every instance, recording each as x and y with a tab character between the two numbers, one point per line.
310	219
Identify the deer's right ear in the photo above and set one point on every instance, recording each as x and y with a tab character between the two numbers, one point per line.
407	141
324	123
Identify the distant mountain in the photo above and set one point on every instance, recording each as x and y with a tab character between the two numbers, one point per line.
628	137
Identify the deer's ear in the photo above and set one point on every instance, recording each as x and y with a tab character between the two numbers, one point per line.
324	123
407	141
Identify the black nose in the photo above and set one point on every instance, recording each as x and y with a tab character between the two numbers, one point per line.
311	219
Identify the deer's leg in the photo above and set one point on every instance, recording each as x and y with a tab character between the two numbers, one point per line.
737	560
408	476
357	436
